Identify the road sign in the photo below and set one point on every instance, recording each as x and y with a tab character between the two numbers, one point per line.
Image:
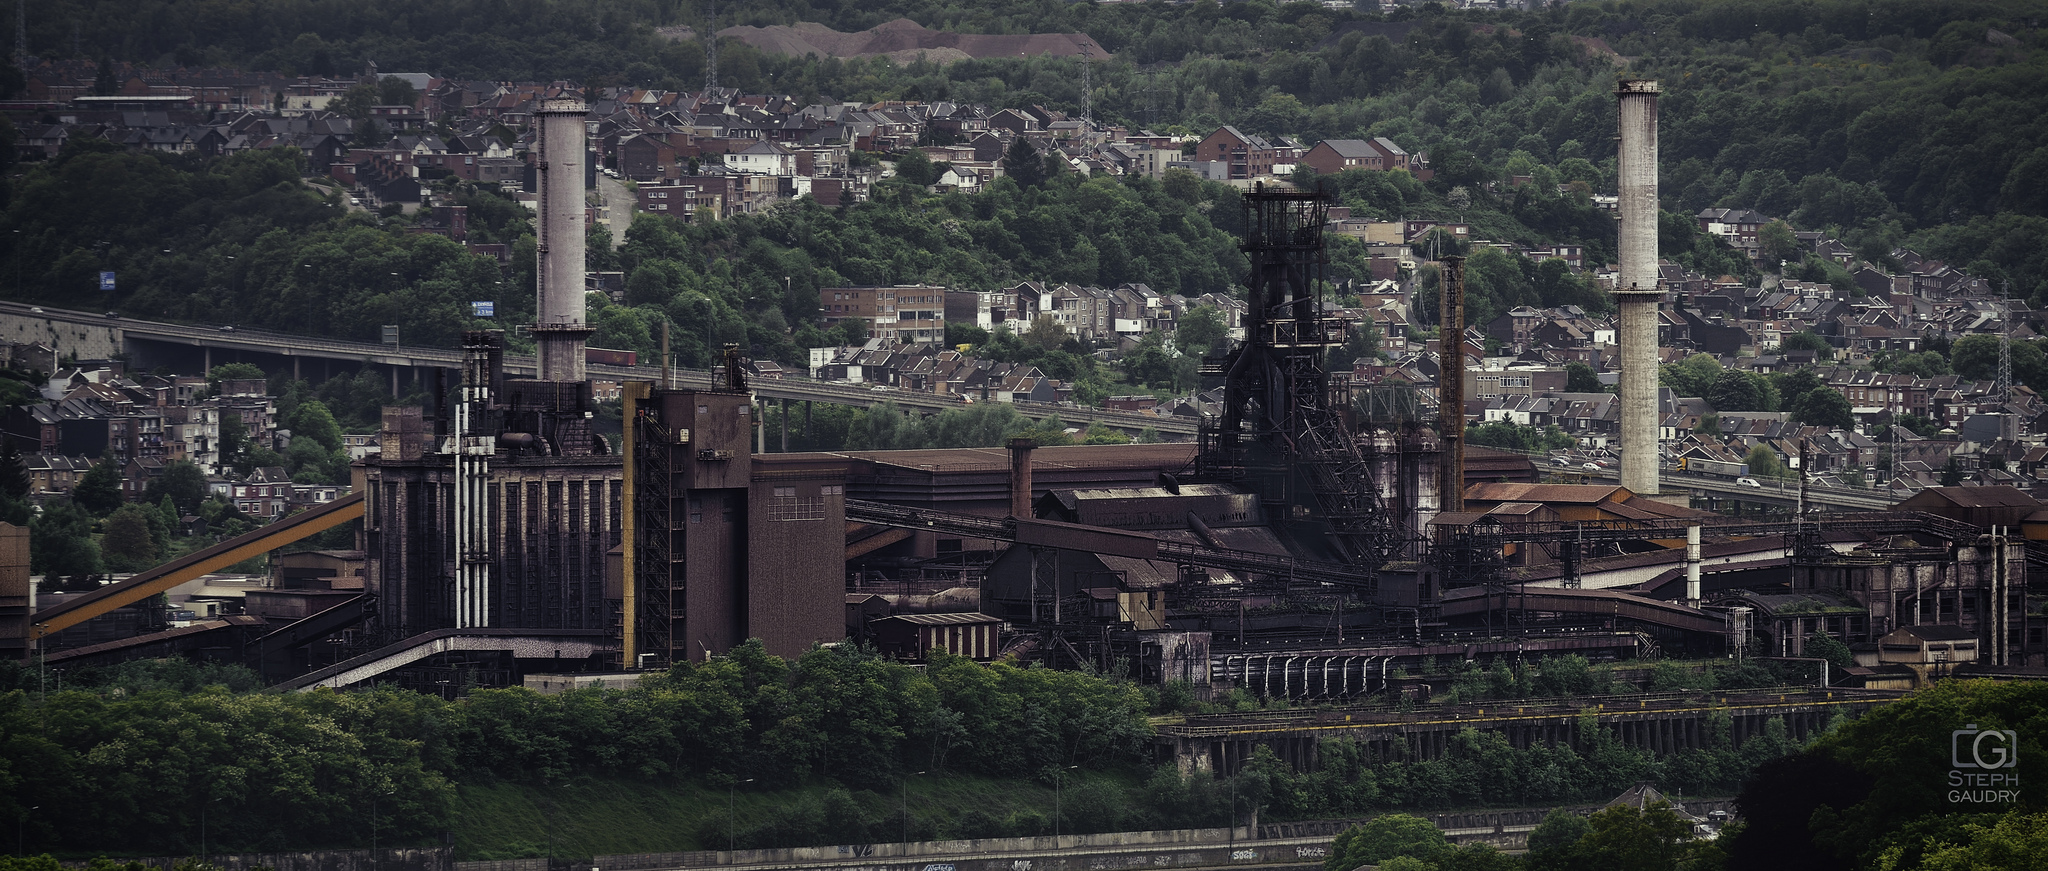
390	334
483	309
106	281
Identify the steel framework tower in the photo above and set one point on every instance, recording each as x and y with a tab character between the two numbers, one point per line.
1281	429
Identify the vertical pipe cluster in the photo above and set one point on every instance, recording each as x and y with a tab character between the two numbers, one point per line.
1692	566
474	446
1450	390
559	330
1636	293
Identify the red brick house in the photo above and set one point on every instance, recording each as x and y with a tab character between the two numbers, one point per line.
1247	156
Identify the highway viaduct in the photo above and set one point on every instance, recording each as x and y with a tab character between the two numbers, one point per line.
149	344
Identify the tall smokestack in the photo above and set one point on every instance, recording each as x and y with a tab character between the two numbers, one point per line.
1450	389
559	331
1636	293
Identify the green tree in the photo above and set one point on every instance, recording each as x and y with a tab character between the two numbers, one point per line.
1764	463
1691	376
1623	838
355	103
1824	406
232	372
2019	839
1827	647
14	478
1023	164
61	543
915	167
1580	378
313	420
1199	331
99	489
1737	390
104	84
1554	843
183	483
1045	333
1777	244
394	91
1805	341
127	544
1386	837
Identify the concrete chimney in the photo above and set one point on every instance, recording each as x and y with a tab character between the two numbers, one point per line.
1636	293
559	331
1020	476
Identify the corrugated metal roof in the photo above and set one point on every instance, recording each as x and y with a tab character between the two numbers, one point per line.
1577	494
943	619
1997	496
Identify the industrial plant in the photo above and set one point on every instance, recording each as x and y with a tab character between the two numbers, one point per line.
1304	546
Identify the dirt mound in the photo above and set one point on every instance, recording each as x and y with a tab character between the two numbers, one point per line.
903	39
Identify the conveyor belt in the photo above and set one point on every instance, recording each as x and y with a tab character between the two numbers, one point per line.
171	574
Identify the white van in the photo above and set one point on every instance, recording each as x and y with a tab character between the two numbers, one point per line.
1748	482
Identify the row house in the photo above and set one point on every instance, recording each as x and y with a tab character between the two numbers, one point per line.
54	473
267	494
683	198
1738	227
900	313
1332	156
1246	156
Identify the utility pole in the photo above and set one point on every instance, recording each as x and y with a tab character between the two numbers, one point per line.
2005	345
1087	88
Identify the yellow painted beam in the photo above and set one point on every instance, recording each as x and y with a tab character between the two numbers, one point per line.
165	577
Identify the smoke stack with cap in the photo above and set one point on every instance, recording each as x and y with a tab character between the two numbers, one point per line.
1635	292
559	331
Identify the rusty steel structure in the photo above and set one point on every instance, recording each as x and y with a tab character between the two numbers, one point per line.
1282	430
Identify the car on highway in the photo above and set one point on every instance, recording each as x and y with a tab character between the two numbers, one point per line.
1748	482
35	309
1590	467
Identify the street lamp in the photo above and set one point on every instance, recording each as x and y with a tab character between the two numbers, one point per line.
732	826
19	823
1058	774
906	804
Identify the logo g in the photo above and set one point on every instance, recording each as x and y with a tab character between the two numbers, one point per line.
1970	747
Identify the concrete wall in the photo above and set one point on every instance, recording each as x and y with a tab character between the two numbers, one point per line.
431	859
83	341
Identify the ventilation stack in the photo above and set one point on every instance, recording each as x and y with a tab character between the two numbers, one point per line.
559	330
1635	293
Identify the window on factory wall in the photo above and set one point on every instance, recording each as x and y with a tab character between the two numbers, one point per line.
787	505
696	509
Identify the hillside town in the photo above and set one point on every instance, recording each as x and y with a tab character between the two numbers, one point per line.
717	153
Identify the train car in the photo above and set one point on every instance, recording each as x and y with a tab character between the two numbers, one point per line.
1719	468
611	357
